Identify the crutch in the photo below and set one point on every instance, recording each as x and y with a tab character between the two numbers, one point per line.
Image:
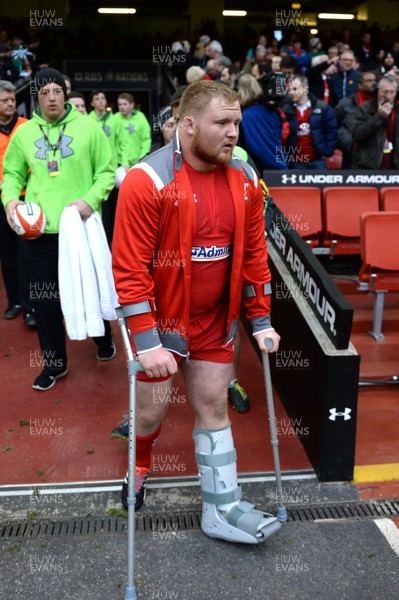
133	367
281	510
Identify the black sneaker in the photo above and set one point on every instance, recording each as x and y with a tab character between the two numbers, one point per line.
45	380
121	432
238	398
12	311
30	320
106	353
142	474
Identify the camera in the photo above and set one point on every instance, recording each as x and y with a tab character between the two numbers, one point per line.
274	87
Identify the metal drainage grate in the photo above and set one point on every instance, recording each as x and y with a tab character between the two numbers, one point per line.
347	510
190	520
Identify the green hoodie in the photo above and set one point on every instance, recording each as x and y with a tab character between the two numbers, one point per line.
116	137
83	158
137	131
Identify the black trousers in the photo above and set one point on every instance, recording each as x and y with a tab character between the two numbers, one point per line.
108	209
14	265
45	298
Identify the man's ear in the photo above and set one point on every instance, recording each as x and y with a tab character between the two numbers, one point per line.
187	124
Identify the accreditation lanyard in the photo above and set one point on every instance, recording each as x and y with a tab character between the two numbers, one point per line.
52	165
389	133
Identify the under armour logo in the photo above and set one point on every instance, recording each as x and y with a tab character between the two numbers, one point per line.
107	130
246	185
42	148
286	178
334	414
131	128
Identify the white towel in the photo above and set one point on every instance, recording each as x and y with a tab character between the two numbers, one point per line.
87	290
102	261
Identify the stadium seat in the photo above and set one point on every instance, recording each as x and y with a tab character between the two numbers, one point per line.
302	208
389	198
342	207
334	161
379	272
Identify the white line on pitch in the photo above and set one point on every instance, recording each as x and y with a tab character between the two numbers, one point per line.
390	532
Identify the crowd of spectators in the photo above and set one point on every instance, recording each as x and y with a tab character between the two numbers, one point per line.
301	102
341	71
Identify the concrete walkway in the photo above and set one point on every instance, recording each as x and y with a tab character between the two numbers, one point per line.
330	559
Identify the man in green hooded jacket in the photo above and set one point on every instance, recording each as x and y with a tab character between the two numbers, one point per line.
63	159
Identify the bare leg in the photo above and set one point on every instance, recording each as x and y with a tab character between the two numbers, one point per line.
152	404
207	389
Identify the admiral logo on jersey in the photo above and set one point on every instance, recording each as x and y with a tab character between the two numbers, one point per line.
210	252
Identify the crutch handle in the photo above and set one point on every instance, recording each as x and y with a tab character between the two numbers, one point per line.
268	343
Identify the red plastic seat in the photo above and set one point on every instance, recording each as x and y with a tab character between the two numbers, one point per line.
389	198
379	272
302	207
334	161
342	207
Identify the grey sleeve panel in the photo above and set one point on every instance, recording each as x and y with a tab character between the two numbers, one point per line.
159	166
147	339
267	289
130	310
261	323
249	290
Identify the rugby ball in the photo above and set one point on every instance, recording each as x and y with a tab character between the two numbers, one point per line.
120	175
29	220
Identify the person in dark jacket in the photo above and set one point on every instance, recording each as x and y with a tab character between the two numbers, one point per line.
313	127
344	113
261	126
319	73
344	83
375	129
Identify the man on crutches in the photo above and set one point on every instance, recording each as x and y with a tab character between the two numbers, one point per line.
189	239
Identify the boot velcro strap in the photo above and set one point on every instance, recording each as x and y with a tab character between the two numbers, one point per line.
216	460
238	511
222	497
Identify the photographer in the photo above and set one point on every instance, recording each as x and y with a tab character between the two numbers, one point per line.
261	129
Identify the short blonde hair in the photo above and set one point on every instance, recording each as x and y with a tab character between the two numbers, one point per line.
194	74
199	94
249	90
